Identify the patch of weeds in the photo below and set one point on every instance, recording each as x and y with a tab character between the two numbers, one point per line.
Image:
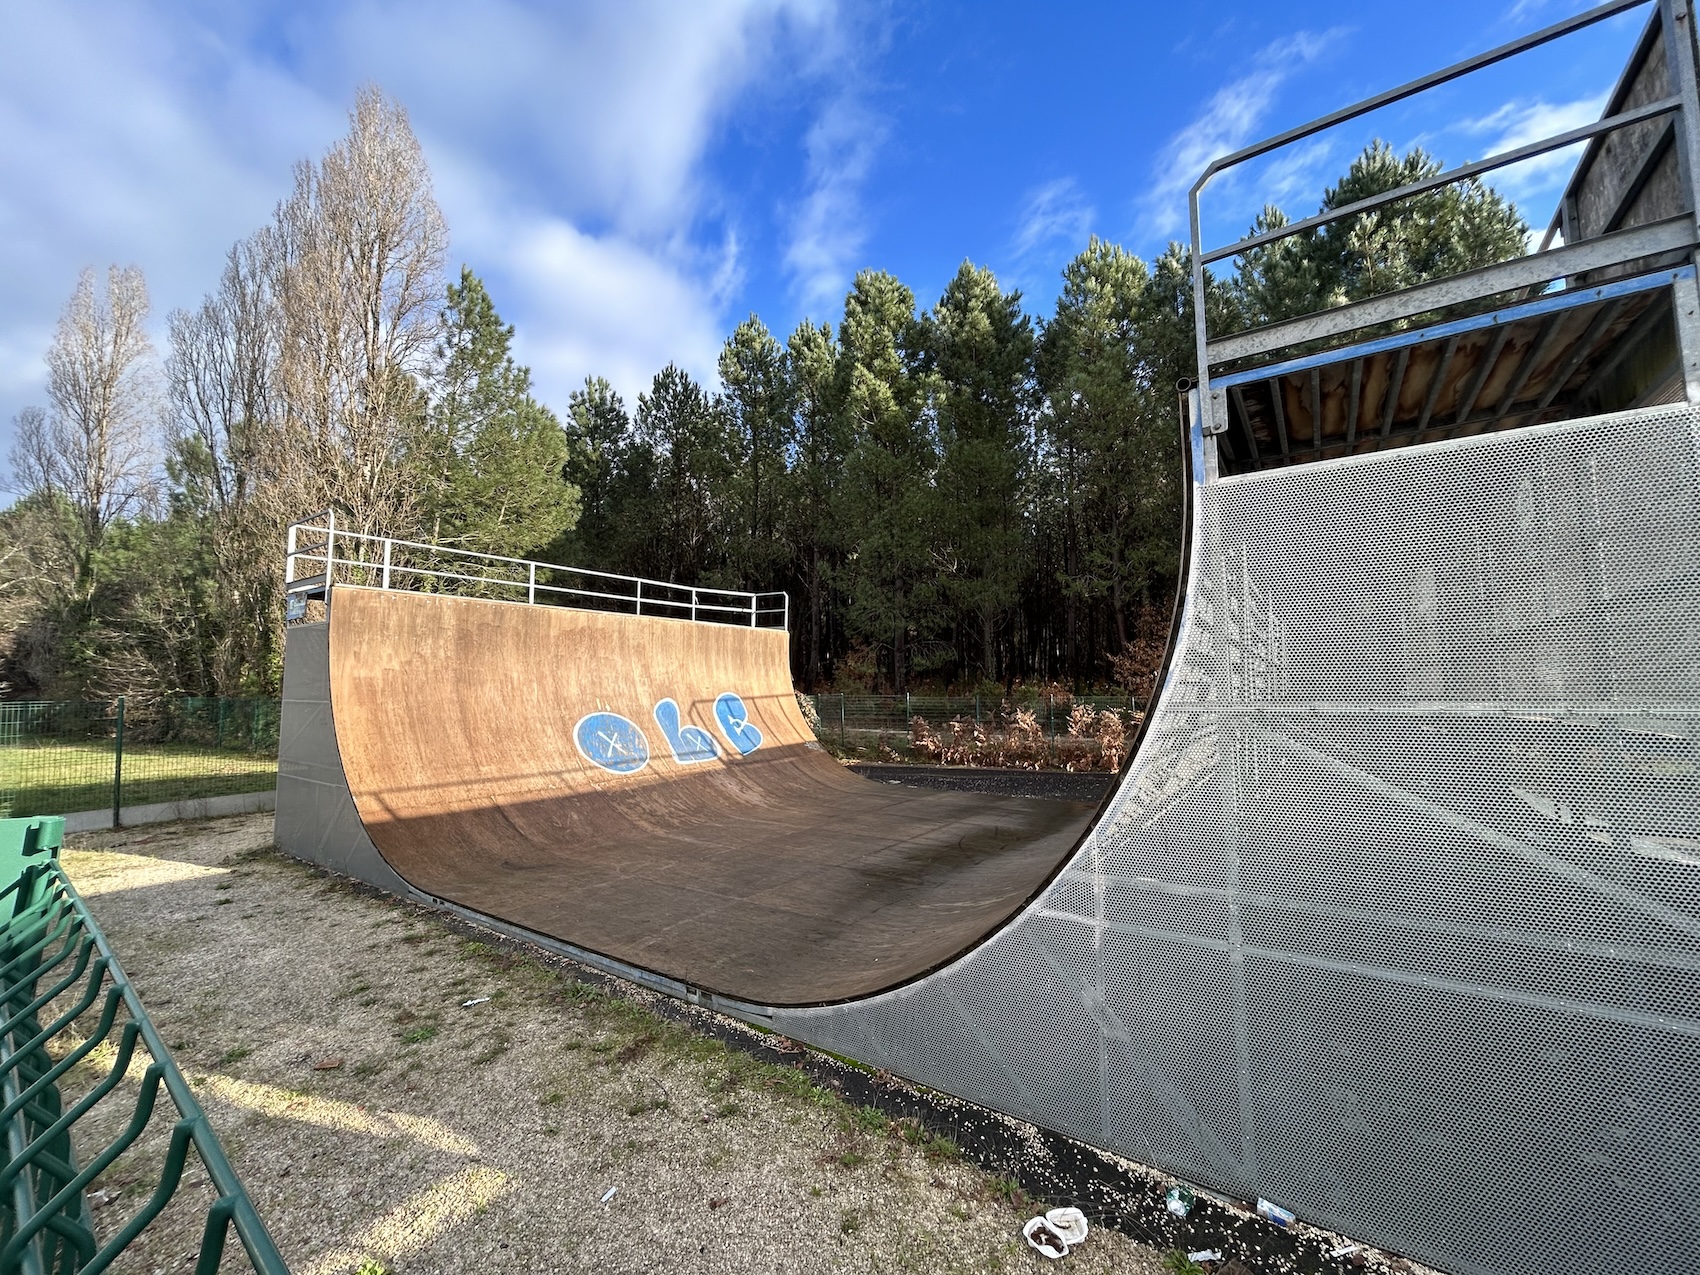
233	1056
418	1034
223	903
551	1129
848	1155
179	1045
413	937
372	1266
791	1083
550	1099
1009	1191
849	1223
817	1190
1178	1263
871	1119
494	1050
643	1106
573	1044
368	1067
636	1049
933	1146
225	885
726	1110
601	1046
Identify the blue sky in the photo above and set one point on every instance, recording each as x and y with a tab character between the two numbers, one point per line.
631	179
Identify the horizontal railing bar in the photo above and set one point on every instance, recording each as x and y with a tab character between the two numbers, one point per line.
366	537
1494	318
1664	106
1510	49
655	594
1673	234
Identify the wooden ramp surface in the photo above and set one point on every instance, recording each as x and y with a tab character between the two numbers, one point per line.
484	746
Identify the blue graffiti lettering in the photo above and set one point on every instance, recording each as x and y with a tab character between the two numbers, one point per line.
690	744
735	724
612	742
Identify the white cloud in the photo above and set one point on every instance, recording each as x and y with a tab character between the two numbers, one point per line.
1056	212
568	144
1522	121
1229	120
828	226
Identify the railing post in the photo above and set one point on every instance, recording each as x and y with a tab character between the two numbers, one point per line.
289	554
693	603
118	766
388	544
330	549
531	583
640	598
752	610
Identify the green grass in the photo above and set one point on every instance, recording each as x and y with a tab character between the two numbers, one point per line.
52	777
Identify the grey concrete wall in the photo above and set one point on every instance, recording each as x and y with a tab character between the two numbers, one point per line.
316	816
241	803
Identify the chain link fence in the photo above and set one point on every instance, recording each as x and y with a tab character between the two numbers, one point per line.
1033	731
64	757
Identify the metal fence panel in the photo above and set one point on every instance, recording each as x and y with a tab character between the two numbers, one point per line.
57	757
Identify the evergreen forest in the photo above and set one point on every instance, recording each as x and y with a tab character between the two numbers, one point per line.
954	492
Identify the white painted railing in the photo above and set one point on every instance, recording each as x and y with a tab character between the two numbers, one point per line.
319	554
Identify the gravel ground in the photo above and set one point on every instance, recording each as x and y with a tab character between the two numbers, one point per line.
381	1123
1057	785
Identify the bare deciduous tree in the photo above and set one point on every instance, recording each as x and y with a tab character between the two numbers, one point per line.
360	248
222	376
301	381
96	447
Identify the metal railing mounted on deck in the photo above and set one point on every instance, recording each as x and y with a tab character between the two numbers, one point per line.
1549	335
320	553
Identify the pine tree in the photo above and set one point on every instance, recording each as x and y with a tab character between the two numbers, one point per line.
979	359
501	455
893	576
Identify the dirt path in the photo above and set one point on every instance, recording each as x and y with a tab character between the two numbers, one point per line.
381	1121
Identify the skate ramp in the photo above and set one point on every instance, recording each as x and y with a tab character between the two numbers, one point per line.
647	789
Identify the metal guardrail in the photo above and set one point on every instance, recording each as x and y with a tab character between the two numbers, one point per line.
319	554
1531	274
55	961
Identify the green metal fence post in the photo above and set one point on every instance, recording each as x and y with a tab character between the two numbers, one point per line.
841	720
118	765
1051	719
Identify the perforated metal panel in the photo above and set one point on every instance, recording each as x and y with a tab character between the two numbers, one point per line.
1396	920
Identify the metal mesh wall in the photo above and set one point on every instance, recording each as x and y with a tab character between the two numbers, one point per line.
1396	920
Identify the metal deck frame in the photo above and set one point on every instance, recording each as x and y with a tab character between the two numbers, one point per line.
1538	273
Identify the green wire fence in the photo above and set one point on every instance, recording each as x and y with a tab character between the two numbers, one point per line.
59	757
57	973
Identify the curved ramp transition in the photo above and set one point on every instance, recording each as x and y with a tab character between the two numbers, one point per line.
647	789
